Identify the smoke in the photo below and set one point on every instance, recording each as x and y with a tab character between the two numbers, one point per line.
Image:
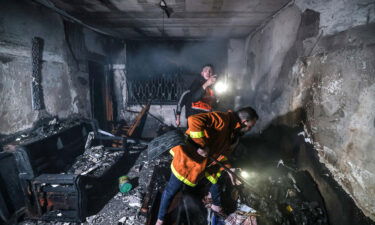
153	58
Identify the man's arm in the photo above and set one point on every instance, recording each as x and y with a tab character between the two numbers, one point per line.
198	89
197	132
182	102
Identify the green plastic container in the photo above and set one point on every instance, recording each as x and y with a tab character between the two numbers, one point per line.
124	184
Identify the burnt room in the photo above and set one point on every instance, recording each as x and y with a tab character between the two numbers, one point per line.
187	112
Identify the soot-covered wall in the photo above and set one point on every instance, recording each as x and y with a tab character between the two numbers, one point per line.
64	72
314	64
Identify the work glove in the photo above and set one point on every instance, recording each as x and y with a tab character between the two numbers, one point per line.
235	182
178	121
203	152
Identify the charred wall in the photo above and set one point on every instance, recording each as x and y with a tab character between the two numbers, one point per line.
304	67
64	76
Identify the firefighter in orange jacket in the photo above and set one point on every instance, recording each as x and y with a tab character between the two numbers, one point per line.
213	134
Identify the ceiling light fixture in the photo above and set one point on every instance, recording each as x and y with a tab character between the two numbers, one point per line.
168	10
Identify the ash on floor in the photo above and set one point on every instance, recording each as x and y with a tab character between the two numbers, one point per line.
289	197
43	128
123	208
95	161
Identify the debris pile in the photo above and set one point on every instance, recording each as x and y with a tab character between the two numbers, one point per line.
125	208
283	197
43	128
122	208
95	161
289	197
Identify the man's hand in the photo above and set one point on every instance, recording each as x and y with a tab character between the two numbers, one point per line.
210	81
178	121
203	152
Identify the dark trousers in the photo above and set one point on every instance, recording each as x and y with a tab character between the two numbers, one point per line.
173	186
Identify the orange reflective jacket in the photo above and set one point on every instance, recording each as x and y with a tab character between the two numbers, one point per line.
206	102
214	130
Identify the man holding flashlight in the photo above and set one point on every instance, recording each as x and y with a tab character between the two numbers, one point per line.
200	97
210	135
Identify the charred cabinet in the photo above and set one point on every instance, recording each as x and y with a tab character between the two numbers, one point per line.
35	181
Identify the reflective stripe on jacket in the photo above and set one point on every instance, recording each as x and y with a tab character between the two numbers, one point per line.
213	172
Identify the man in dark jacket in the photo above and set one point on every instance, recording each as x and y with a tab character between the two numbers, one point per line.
200	97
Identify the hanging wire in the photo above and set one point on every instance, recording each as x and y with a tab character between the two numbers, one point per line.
162	34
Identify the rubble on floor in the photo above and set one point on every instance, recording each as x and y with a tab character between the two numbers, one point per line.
289	197
285	203
285	191
43	128
123	208
95	161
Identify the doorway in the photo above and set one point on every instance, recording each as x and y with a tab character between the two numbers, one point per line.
100	94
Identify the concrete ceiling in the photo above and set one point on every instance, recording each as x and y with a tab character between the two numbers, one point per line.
191	19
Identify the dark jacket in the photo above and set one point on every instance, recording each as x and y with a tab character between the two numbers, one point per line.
194	94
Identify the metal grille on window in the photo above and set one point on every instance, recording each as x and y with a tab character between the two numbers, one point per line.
163	90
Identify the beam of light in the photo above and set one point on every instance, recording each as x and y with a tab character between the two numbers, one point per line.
221	87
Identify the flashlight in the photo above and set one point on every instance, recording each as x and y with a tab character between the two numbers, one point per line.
221	87
244	174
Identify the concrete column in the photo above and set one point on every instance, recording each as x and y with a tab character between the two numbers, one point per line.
121	92
236	68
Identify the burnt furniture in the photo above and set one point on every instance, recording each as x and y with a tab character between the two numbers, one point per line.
11	197
48	193
34	177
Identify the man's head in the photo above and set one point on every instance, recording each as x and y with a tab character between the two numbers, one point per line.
207	71
248	117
